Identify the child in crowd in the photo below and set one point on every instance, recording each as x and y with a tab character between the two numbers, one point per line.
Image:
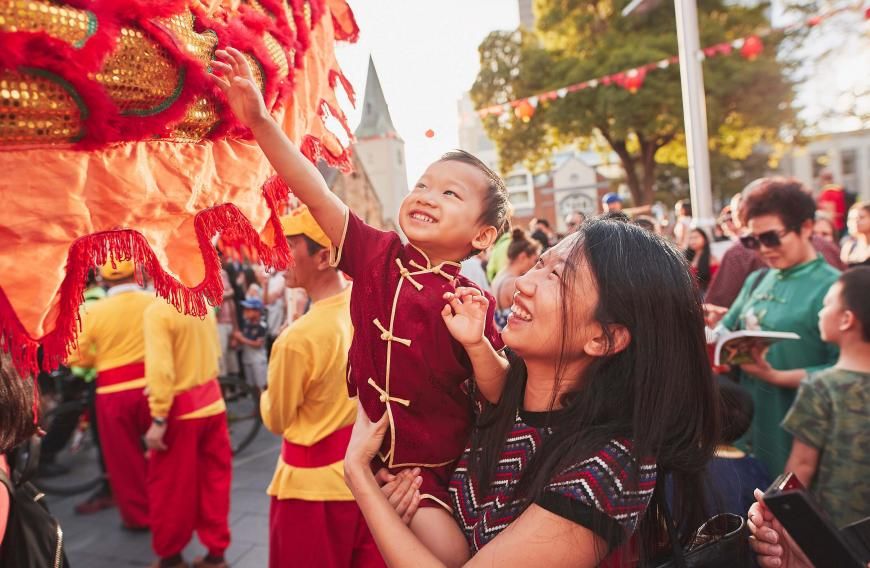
732	474
406	364
252	338
830	418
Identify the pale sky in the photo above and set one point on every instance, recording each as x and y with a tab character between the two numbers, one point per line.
426	56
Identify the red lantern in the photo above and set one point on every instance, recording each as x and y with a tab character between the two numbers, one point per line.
430	133
752	48
524	110
634	80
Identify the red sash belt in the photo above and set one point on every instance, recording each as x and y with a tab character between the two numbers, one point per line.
325	452
195	399
122	374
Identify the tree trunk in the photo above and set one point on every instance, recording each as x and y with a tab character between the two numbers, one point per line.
628	165
648	165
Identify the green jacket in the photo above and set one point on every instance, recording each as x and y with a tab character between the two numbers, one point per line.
784	300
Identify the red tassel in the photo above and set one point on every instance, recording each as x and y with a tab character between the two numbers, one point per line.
96	249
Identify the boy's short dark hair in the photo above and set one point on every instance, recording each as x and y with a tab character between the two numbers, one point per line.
736	410
496	205
856	283
786	198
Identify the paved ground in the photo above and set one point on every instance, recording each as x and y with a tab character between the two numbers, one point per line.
97	541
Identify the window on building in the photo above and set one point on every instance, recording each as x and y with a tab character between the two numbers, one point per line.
399	158
820	161
520	190
849	162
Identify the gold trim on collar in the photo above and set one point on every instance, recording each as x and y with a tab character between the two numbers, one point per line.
432	270
429	262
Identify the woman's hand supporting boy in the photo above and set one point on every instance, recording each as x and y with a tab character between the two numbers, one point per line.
465	316
236	81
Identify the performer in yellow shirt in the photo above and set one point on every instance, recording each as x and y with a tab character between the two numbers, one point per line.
112	342
313	519
190	463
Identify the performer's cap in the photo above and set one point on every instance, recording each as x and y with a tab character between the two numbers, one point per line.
117	270
301	222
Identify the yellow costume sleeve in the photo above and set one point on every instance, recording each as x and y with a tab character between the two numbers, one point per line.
159	361
85	354
289	372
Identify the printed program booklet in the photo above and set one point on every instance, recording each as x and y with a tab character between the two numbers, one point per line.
735	347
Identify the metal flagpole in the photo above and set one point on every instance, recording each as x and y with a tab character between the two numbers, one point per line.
694	112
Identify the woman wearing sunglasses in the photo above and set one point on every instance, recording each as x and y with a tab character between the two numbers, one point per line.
787	296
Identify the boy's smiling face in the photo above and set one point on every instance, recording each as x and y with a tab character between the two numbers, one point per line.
441	215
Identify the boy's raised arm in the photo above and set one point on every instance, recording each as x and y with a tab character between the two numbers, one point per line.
237	82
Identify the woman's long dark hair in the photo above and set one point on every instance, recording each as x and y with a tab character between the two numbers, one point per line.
658	392
16	406
703	261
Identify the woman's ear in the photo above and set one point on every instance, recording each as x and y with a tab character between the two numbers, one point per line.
599	345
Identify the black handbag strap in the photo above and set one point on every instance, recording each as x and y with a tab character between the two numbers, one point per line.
679	558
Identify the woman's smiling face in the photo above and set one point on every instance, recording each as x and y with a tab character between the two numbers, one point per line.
537	322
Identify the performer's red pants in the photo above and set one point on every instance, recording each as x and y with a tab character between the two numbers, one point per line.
122	420
320	534
189	486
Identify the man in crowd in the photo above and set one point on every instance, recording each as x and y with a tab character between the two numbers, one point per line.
541	232
112	342
190	465
611	203
313	520
573	221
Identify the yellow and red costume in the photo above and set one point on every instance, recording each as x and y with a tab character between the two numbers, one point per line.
403	359
189	482
112	342
307	404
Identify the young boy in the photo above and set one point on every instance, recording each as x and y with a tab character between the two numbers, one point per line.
252	337
404	360
830	418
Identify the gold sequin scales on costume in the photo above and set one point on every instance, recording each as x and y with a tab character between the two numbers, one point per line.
36	109
200	118
140	75
62	22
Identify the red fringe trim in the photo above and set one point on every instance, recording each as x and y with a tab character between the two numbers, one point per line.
335	77
94	250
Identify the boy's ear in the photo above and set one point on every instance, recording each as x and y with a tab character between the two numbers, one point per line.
485	237
848	320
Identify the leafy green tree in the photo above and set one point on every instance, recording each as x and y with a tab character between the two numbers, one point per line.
578	40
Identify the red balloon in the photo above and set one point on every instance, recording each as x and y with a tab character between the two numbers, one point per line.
752	47
430	133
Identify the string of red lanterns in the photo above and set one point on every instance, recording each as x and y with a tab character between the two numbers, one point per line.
749	47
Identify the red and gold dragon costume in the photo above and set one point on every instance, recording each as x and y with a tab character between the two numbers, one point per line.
114	141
